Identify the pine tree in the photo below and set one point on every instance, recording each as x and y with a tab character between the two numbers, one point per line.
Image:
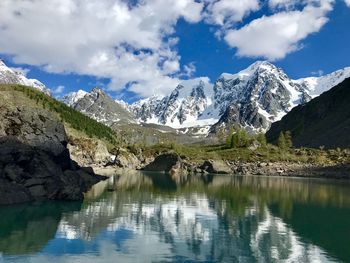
281	142
261	138
229	138
239	139
221	135
288	139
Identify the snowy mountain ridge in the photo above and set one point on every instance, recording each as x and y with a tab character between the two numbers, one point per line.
73	97
252	99
99	106
12	76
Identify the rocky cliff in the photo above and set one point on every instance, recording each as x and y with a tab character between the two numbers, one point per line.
35	163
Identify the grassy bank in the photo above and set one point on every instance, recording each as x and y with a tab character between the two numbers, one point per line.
269	153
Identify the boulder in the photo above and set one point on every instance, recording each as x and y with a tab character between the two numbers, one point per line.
215	167
101	154
127	160
167	162
90	152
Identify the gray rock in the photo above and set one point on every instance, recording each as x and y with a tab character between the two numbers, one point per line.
168	163
127	160
34	161
216	167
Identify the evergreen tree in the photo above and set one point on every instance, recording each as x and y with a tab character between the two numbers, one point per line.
261	138
239	139
221	135
288	139
229	138
281	142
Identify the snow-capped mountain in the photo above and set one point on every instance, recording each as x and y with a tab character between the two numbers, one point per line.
13	76
73	97
99	106
182	108
124	104
259	95
252	98
255	97
317	85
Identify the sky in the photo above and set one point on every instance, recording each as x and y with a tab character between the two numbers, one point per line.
139	48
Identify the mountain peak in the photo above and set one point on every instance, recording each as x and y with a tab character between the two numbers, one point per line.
97	89
72	97
12	76
261	63
259	66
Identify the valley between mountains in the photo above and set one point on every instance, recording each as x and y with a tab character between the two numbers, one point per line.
257	121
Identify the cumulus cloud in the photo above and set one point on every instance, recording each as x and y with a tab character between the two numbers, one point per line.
287	4
189	69
131	45
347	2
58	90
227	12
275	36
134	45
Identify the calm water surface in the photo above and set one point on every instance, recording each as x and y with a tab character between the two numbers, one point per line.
135	217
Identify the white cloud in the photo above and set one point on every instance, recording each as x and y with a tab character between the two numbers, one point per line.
102	38
58	90
347	2
284	3
189	69
227	12
134	46
275	36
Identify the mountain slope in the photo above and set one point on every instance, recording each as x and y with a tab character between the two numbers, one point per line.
99	106
317	85
11	76
324	121
30	97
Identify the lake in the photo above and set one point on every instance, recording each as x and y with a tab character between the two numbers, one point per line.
151	217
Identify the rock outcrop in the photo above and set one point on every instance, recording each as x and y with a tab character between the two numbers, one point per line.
34	160
215	167
126	159
167	163
89	152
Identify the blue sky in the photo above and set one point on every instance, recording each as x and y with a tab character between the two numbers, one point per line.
132	53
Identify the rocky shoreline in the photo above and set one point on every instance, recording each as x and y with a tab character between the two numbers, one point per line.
172	163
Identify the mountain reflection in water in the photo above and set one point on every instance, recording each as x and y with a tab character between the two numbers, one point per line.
149	217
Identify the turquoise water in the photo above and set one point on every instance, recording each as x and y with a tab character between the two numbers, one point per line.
135	217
